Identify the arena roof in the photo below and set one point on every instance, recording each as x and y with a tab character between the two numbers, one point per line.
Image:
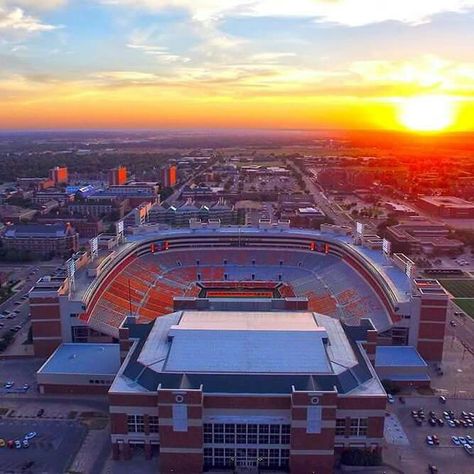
260	342
321	354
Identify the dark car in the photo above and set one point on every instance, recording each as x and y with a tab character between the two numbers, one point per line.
40	412
402	400
440	422
432	468
432	422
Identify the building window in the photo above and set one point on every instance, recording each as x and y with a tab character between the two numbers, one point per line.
153	424
136	423
358	427
246	434
340	427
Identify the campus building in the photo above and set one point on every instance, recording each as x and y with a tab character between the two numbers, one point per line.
42	240
117	176
59	175
169	176
447	206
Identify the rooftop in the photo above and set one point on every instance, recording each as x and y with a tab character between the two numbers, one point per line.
40	230
81	358
256	342
398	356
448	201
237	355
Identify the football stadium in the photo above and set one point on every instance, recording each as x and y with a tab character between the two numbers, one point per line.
238	347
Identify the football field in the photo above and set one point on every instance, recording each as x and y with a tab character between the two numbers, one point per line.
459	288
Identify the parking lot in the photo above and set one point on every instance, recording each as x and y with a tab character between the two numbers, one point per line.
51	451
408	445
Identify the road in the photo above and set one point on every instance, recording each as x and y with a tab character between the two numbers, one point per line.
329	208
464	329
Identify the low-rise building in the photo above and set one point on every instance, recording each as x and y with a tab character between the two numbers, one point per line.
180	214
138	216
42	240
87	227
307	217
447	206
53	194
99	207
417	235
15	214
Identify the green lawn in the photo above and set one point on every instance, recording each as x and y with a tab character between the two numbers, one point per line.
467	305
459	288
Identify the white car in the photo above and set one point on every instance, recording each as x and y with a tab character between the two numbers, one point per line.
390	399
8	384
30	435
451	424
429	441
25	443
18	444
455	440
462	440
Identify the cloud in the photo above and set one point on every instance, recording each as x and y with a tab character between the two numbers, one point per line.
16	20
344	12
33	4
421	74
160	52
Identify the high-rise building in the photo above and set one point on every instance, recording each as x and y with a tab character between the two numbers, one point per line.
169	176
59	175
118	176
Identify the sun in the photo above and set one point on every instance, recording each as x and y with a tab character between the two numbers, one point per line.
427	113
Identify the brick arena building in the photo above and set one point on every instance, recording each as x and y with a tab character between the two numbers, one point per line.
271	390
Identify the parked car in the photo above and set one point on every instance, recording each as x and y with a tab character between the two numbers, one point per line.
18	444
429	441
468	449
442	399
2	443
8	384
30	435
402	400
440	421
25	443
11	444
432	468
435	439
40	412
455	440
390	398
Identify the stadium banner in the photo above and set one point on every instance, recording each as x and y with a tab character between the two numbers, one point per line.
94	246
119	228
71	271
386	246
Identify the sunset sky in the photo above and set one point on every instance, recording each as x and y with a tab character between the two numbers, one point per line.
235	63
